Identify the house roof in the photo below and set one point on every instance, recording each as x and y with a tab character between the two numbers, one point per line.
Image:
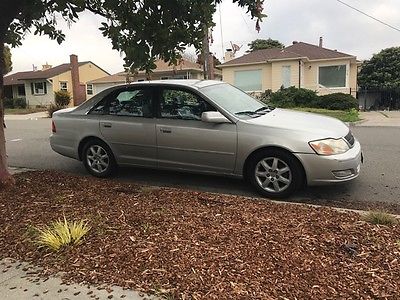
295	51
43	74
161	67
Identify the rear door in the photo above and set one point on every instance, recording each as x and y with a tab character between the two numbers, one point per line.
127	124
185	142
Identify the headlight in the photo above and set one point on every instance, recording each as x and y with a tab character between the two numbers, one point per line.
329	146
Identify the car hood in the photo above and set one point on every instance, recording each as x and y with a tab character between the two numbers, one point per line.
316	125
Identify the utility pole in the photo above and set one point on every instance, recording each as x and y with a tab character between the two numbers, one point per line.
208	64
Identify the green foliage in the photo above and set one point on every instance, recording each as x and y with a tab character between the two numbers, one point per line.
382	70
15	103
351	115
143	30
7	60
61	233
293	97
259	44
380	218
62	98
337	101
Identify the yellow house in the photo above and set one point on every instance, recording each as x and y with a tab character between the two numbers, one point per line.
38	87
301	65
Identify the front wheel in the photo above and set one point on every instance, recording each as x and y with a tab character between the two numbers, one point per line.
98	159
275	173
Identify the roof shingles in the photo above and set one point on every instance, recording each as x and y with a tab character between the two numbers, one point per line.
295	51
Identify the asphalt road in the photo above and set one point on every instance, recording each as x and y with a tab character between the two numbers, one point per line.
28	146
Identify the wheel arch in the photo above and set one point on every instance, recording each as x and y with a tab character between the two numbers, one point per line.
85	140
264	148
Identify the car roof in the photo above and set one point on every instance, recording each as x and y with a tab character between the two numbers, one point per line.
178	82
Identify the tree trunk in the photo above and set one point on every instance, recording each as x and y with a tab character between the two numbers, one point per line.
5	177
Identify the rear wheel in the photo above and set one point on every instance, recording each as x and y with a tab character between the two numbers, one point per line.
275	173
98	159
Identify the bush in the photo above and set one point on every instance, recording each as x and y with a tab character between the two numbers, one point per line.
20	103
292	97
8	103
338	101
62	98
380	218
53	108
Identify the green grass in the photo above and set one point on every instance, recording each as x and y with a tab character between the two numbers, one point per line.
345	116
23	111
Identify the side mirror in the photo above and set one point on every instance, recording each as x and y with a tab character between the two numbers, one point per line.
214	117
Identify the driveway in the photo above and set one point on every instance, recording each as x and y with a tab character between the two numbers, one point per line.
28	146
380	118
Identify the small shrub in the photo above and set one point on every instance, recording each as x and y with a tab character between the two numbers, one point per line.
380	218
61	233
62	98
53	108
292	97
337	101
20	103
8	103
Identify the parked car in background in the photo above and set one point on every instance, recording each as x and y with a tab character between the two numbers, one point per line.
206	127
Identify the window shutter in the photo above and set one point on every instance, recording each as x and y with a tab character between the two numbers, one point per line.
45	87
32	89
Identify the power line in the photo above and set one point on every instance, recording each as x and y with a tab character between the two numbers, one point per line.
369	16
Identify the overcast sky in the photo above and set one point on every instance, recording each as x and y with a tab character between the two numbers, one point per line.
288	20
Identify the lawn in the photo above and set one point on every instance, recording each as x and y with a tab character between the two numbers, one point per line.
23	111
185	244
345	116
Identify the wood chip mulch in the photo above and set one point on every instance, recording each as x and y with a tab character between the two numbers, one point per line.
196	245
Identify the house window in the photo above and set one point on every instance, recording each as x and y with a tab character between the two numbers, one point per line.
89	89
21	90
38	88
164	77
248	81
286	74
332	76
63	86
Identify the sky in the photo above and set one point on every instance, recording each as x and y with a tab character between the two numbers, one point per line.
342	29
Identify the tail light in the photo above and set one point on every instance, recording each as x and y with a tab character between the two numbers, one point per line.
53	127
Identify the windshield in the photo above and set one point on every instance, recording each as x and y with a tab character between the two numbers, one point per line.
235	101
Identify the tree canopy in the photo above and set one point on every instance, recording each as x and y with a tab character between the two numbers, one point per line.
259	44
7	60
382	70
142	30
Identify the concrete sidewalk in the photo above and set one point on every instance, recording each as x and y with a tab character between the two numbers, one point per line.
34	116
19	281
380	118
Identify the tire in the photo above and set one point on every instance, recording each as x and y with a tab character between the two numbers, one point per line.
275	173
98	159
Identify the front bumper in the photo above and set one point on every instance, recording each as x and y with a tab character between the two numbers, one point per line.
332	169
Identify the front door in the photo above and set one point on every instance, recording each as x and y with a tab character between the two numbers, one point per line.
185	142
128	126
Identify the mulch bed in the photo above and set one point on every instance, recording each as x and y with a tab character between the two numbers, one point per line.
196	245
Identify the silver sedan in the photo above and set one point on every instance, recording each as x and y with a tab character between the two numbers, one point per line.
207	127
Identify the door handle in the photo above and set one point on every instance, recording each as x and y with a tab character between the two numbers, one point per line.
165	130
106	125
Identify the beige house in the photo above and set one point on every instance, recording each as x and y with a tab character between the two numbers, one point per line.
163	71
301	65
38	87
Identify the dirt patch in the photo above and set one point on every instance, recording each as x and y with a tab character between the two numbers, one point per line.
195	245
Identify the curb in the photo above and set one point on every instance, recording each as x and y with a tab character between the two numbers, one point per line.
18	170
352	124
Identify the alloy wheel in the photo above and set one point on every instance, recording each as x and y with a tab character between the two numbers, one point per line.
273	174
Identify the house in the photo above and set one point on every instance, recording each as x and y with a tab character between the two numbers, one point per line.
301	65
38	87
183	70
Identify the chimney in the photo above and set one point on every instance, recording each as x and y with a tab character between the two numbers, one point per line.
46	66
295	42
321	41
229	55
75	78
